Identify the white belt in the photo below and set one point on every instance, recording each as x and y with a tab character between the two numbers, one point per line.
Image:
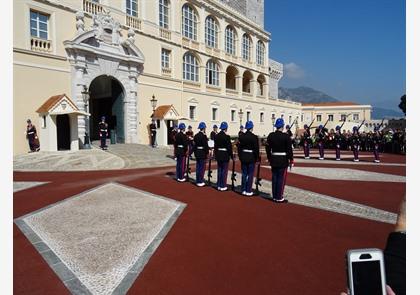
31	132
278	154
180	146
200	148
103	130
222	149
248	151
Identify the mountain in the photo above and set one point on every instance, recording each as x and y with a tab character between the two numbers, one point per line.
304	94
380	113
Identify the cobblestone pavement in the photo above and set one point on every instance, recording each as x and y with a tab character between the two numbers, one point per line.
142	156
345	174
125	226
118	156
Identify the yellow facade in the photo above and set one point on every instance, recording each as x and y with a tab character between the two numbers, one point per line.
49	66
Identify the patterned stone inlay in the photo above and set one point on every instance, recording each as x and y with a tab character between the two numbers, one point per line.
346	174
22	185
311	199
100	234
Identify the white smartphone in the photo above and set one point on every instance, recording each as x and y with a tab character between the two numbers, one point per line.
366	272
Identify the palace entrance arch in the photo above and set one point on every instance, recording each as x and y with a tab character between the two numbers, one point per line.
100	58
107	99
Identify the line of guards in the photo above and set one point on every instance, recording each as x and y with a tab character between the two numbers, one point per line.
339	139
278	148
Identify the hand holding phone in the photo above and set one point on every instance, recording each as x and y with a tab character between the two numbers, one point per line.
366	272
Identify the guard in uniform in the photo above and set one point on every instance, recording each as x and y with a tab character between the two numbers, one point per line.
249	153
241	130
201	152
103	132
174	132
280	155
213	133
190	136
181	149
338	139
306	141
321	141
223	152
32	137
153	129
376	138
355	143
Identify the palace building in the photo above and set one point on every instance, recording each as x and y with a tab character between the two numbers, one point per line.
77	60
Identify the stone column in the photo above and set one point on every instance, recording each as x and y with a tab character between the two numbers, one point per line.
78	87
238	80
130	107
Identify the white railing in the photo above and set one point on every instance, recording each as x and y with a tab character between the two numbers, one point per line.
92	7
133	22
166	71
40	45
165	33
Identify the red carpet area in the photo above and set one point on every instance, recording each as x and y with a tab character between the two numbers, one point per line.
224	243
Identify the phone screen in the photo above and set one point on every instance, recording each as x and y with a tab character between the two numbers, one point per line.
367	278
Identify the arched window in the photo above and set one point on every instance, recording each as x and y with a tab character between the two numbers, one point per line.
246	46
190	71
261	82
212	73
230	37
260	53
189	22
231	73
164	14
246	82
211	33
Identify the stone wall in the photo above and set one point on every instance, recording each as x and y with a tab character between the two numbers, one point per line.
252	9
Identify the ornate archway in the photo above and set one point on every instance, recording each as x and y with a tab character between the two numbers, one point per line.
102	51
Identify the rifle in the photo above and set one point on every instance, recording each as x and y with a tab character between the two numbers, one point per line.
188	167
309	127
233	176
361	125
258	179
293	123
344	121
325	124
381	124
209	172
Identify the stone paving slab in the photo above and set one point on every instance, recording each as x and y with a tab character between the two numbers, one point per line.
99	241
82	160
345	174
319	201
118	156
22	185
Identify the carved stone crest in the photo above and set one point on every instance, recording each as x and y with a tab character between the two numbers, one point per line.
106	28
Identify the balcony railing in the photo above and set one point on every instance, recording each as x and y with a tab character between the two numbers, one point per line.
190	43
165	33
41	45
92	7
231	91
133	22
166	71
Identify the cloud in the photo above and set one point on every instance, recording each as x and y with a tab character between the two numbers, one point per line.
293	71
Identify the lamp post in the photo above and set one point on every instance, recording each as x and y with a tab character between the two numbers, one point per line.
240	116
273	119
86	96
153	102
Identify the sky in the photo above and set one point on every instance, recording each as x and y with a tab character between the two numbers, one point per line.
352	50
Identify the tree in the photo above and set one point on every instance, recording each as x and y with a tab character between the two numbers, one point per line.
402	104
